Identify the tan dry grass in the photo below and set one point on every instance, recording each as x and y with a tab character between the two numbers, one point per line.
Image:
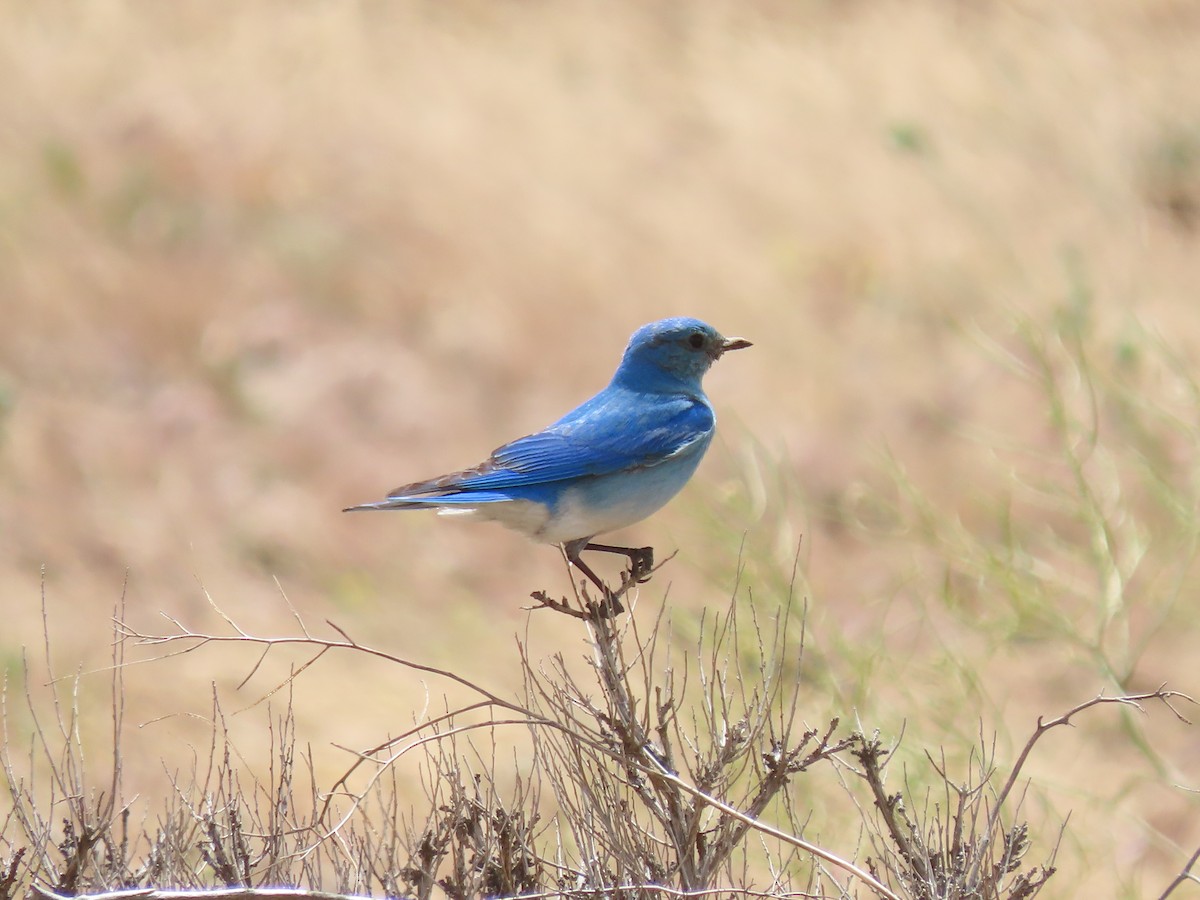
257	263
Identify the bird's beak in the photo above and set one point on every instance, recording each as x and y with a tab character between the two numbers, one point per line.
735	343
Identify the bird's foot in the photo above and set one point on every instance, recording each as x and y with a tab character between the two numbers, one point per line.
641	564
609	606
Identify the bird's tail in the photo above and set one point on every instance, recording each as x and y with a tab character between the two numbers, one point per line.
463	501
392	503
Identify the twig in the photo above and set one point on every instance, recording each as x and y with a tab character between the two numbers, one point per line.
906	839
301	894
591	611
204	894
820	852
604	640
200	639
1134	700
667	891
1185	874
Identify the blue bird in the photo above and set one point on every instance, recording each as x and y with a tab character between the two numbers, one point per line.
608	463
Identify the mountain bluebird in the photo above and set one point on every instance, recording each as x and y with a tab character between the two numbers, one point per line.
606	464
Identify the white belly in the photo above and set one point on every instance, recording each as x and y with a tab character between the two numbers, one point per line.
610	502
524	516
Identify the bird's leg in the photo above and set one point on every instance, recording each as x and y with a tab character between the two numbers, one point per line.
573	549
641	559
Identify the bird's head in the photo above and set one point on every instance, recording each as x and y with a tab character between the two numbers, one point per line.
678	350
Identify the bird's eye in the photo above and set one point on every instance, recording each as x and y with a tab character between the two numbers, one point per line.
696	340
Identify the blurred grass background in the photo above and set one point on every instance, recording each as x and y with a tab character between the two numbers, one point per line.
261	262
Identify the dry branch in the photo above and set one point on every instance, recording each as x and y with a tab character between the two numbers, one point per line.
661	789
1185	875
210	894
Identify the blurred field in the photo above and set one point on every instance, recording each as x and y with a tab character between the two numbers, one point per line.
261	262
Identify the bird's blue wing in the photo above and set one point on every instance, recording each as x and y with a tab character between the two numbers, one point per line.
606	436
610	440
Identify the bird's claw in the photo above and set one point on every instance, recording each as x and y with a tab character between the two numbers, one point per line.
608	606
641	564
